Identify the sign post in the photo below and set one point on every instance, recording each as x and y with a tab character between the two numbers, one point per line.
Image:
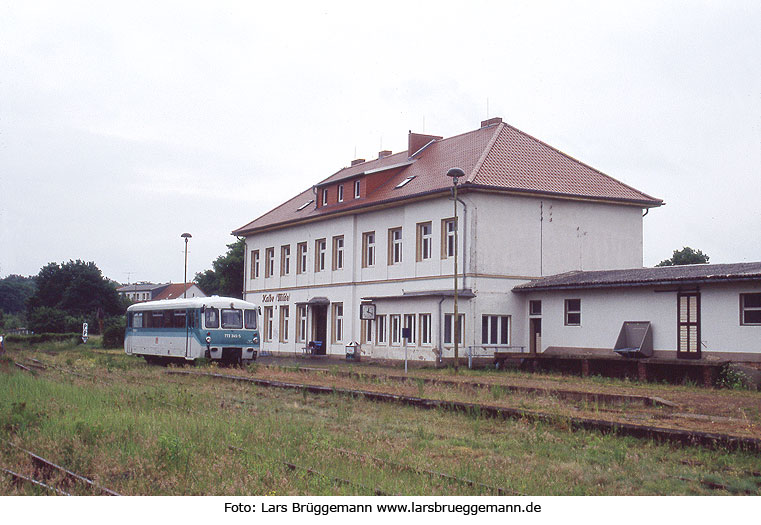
406	334
84	332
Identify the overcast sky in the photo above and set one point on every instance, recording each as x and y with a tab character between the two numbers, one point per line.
123	125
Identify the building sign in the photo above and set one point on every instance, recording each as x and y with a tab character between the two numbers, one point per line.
281	297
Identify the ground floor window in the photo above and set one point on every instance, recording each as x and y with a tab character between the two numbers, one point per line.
268	314
409	324
495	329
396	329
750	308
301	323
449	328
338	322
367	331
381	329
425	329
285	314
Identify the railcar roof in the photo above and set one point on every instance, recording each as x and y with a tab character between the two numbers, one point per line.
195	302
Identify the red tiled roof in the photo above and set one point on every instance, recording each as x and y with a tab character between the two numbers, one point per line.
173	291
496	157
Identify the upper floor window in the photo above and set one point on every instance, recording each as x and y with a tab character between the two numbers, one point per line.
325	197
269	263
394	246
356	188
368	249
319	255
254	264
573	312
405	182
424	241
340	193
301	257
285	259
448	228
338	252
750	308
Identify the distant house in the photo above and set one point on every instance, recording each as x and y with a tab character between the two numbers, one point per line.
144	291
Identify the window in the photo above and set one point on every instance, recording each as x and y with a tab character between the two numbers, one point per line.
301	257
307	203
405	182
356	189
268	311
573	312
285	313
424	241
338	322
409	322
750	308
232	318
301	323
367	331
495	329
269	263
425	329
449	328
137	320
319	255
368	249
285	259
249	319
340	193
394	246
254	264
338	252
535	307
211	318
396	329
325	197
380	324
448	228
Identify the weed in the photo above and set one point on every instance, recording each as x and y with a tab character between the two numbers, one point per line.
732	379
497	391
172	451
420	386
252	368
20	418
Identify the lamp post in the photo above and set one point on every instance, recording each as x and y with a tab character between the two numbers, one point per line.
185	236
456	173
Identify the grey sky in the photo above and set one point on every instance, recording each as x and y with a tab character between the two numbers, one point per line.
124	125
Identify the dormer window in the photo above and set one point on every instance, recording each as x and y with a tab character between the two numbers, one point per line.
307	203
340	193
325	197
356	189
405	182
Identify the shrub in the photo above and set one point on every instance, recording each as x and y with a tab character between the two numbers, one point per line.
732	378
113	332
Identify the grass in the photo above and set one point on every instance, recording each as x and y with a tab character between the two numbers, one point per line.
137	430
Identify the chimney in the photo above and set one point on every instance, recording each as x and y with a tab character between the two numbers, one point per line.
417	141
491	122
357	161
384	153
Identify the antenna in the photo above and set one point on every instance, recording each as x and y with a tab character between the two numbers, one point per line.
128	276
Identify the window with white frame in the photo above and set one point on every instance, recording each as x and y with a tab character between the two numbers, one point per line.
301	323
338	252
338	322
409	322
449	328
254	264
448	228
268	314
368	249
425	329
269	263
573	312
750	309
319	255
325	197
356	189
340	193
395	321
367	331
495	329
394	246
424	241
381	329
285	259
285	317
301	257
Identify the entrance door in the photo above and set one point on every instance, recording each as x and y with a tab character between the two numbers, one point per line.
320	327
688	325
535	338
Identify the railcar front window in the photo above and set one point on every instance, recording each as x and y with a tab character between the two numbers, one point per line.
232	318
212	318
137	320
179	319
249	317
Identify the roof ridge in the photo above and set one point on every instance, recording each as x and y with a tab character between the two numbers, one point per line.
582	163
497	131
249	223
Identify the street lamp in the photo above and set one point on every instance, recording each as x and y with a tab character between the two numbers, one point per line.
186	236
456	173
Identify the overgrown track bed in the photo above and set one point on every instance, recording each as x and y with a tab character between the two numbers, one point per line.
625	429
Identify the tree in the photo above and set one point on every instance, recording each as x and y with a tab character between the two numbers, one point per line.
685	256
15	291
76	289
226	276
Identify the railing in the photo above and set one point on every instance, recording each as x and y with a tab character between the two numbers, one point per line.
484	351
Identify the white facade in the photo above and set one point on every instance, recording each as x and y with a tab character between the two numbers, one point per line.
504	240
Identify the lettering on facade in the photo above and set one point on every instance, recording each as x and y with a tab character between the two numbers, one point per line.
281	297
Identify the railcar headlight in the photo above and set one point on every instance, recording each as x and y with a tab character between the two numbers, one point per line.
255	339
208	339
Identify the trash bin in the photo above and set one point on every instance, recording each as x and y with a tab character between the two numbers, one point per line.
352	351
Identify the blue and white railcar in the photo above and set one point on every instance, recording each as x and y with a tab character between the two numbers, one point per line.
217	328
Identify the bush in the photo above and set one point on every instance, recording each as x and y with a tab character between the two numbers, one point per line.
40	338
733	378
113	332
